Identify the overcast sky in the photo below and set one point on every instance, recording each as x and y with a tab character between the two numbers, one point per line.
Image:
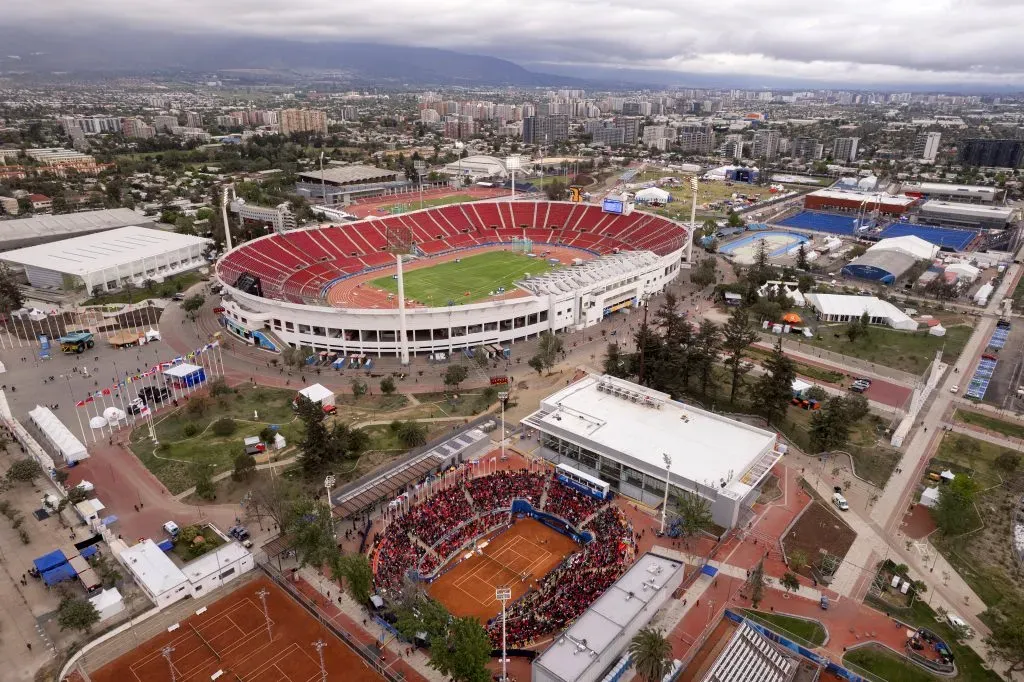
859	42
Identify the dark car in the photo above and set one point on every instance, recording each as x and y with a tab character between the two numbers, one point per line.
239	533
154	394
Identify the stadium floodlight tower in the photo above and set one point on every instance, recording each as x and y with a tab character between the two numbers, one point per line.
421	167
503	594
503	397
513	163
664	505
693	219
403	342
229	188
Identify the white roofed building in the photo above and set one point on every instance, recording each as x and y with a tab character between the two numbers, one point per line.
153	571
843	308
909	244
478	166
109	260
620	432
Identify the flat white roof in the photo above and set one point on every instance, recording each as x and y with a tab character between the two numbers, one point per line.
58	226
855	306
580	647
182	370
97	252
706	448
213	562
868	197
317	393
971	210
152	567
950	189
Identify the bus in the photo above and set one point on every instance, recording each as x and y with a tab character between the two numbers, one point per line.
585	483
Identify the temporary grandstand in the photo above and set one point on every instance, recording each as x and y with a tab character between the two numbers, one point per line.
620	432
843	308
585	651
948	192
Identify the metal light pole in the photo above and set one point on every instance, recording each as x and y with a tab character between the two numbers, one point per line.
503	396
319	646
664	504
512	164
503	594
420	166
167	651
328	484
323	183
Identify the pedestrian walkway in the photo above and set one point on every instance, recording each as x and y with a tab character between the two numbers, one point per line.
987	436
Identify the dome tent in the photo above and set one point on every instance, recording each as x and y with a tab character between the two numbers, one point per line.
653	195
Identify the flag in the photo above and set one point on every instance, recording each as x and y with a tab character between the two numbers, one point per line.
80	403
88	400
106	391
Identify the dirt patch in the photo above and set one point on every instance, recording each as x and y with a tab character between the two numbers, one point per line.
770	490
818	531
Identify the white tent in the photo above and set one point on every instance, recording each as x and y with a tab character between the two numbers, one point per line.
937	330
909	244
653	195
113	414
108	603
57	435
318	393
947	475
97	422
930	497
800	386
152	335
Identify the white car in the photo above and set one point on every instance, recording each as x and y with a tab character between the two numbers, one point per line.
954	388
839	501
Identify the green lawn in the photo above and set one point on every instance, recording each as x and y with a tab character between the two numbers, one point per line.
873	460
809	371
963	454
169	287
909	351
808	630
478	275
989	423
882	664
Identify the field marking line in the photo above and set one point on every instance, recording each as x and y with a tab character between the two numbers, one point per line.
270	662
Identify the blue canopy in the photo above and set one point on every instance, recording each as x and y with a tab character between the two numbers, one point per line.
58	574
709	570
89	551
166	545
48	561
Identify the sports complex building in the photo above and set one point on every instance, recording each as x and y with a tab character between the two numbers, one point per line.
621	432
329	288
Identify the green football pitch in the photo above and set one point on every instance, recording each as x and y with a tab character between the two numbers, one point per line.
476	275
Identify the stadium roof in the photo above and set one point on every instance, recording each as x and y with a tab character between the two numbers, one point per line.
48	228
586	643
350	175
909	244
706	448
855	306
151	567
869	198
750	657
891	261
597	270
478	165
960	210
97	252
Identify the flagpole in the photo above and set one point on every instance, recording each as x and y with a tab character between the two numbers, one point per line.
119	387
77	408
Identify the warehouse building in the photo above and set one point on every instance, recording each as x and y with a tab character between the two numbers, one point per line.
44	229
974	216
884	267
109	260
840	200
967	194
621	432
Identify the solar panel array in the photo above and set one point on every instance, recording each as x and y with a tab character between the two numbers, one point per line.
981	379
999	337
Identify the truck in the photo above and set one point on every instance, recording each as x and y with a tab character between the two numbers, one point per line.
77	342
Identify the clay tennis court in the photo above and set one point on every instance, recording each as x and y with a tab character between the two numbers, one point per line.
231	636
528	547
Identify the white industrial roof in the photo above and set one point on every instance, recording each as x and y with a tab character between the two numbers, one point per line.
52	227
106	598
855	306
750	657
580	647
579	277
97	252
181	371
869	197
151	567
955	208
909	244
70	448
706	448
317	393
948	189
211	562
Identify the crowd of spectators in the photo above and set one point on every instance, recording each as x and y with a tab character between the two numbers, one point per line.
478	526
570	504
432	519
565	593
499	489
395	555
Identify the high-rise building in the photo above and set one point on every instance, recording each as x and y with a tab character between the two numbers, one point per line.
461	127
697	137
733	147
545	129
302	121
630	128
228	121
926	146
991	153
806	148
766	144
165	123
636	108
136	127
193	119
844	149
430	116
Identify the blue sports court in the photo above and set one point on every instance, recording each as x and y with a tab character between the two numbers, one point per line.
944	237
833	223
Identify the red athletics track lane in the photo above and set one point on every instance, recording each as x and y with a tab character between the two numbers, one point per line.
373	206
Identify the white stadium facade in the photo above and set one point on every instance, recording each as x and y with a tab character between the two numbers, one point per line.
289	283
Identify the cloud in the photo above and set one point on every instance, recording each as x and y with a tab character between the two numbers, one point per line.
868	42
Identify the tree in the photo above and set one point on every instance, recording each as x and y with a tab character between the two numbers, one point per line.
412	434
192	304
1007	641
760	264
615	363
455	375
464	652
917	588
737	336
358	574
735	220
359	388
198	405
24	471
801	257
549	346
274	497
223	427
387	386
756	583
775	387
184	225
694	513
10	294
219	387
953	512
797	559
790	581
245	467
1007	461
77	614
312	532
830	427
856	407
651	654
480	357
704	353
205	487
706	273
536	363
315	445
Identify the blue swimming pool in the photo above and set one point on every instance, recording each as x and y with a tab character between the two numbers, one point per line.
779	242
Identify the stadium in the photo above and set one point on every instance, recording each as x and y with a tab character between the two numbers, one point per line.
474	274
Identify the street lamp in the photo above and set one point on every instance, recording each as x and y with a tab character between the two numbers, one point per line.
664	504
503	396
512	164
420	166
329	482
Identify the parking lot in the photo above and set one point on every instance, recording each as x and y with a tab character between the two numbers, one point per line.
1008	374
